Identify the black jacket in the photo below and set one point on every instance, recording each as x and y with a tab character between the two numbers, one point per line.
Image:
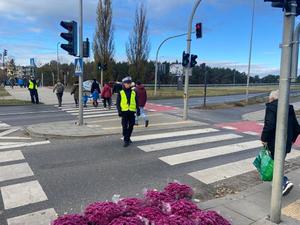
95	86
269	130
128	95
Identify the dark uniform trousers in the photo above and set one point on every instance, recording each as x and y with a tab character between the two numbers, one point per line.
34	96
128	121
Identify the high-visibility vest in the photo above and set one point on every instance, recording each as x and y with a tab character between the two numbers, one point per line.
31	85
124	102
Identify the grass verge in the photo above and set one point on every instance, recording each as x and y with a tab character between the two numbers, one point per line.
12	102
3	92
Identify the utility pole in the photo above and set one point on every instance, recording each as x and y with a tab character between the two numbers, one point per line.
295	53
101	79
80	114
188	69
57	59
250	52
282	114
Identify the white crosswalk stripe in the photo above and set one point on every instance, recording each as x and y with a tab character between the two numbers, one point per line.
218	173
90	112
8	156
15	171
4	125
208	146
210	152
187	142
172	134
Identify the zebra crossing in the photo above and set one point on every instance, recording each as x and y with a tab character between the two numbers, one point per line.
3	125
15	193
205	144
90	111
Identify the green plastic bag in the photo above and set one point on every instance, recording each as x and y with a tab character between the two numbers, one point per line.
264	165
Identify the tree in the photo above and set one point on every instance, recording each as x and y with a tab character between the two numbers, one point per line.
103	40
138	45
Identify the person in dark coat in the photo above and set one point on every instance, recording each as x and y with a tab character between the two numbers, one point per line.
32	87
95	91
142	98
269	131
117	87
127	105
75	92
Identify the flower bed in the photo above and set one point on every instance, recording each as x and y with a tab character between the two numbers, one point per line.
172	206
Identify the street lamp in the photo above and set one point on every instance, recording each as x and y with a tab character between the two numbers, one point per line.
250	52
58	43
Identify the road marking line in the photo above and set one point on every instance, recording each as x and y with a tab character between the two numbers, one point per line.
187	142
115	119
218	173
11	156
100	115
22	194
96	113
209	153
151	125
229	128
251	133
43	217
173	134
18	145
15	138
4	125
15	171
9	131
89	110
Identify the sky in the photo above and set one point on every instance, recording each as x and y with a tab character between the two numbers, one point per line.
30	29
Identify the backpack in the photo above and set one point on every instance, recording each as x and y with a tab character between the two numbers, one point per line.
60	88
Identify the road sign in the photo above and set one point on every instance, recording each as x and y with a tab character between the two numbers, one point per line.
78	67
176	69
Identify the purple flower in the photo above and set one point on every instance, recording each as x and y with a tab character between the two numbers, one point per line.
102	213
131	206
179	191
127	221
156	198
183	208
208	218
174	220
73	219
151	215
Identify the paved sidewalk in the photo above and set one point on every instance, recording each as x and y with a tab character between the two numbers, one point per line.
46	95
103	127
252	206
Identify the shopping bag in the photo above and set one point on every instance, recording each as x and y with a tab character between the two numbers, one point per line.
264	165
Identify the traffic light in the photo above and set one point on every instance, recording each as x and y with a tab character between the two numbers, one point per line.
5	52
71	37
86	48
102	66
193	60
185	59
199	30
285	4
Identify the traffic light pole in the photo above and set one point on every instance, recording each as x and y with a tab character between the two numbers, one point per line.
282	112
80	114
101	79
188	69
156	61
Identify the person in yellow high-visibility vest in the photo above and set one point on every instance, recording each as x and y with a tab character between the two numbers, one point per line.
32	87
127	105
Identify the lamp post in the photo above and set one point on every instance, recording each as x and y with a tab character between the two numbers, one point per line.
57	59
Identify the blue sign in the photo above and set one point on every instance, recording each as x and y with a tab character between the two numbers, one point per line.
32	63
78	67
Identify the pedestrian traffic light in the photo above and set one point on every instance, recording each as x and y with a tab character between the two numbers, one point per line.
199	30
102	66
5	52
185	59
86	48
71	37
193	60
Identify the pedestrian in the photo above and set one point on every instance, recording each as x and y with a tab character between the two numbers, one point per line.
59	90
269	131
32	87
106	95
127	105
117	87
75	92
95	91
142	99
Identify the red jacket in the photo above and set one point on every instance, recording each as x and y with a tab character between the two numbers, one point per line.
141	94
106	92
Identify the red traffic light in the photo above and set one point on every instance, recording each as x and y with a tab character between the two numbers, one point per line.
199	30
